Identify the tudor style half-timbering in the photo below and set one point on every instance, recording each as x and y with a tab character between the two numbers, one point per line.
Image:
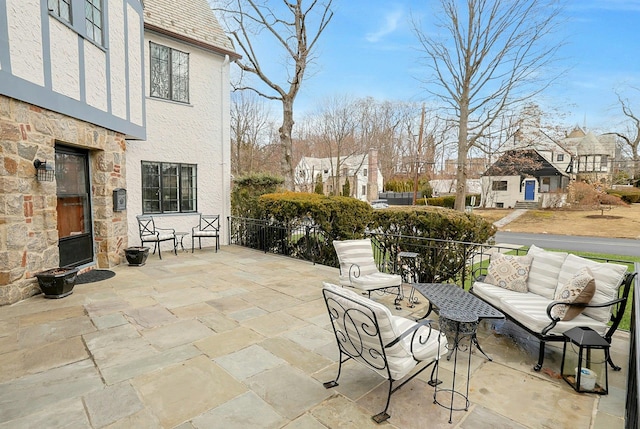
182	168
71	92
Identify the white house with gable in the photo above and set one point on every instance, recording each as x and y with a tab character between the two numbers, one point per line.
362	171
182	168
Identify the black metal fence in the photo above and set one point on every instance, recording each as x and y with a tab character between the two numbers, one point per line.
633	401
437	260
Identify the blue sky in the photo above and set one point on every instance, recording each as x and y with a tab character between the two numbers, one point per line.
369	50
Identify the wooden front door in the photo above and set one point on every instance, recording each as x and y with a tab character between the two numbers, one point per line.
75	237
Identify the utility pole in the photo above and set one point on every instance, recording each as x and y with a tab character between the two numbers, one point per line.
415	179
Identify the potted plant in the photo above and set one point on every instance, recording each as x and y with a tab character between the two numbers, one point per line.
136	255
57	282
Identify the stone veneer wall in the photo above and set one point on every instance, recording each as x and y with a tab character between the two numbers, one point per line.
28	218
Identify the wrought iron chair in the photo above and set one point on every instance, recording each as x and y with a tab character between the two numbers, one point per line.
150	233
392	346
208	227
358	269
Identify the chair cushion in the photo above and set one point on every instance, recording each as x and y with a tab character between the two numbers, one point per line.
578	290
608	277
205	233
161	237
399	358
372	281
544	271
508	271
358	253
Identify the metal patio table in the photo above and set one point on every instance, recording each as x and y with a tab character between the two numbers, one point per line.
452	298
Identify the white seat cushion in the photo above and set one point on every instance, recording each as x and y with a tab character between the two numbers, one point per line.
531	311
372	281
204	233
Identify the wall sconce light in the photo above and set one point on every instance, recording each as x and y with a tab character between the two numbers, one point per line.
44	171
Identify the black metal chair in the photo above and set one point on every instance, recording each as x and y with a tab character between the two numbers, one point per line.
150	233
208	227
391	346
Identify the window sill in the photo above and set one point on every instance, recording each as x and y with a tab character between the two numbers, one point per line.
166	100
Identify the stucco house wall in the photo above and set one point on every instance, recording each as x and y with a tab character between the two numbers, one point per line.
196	132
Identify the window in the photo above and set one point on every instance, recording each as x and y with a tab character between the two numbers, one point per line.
364	189
61	9
364	172
604	162
560	157
169	73
168	187
499	185
93	20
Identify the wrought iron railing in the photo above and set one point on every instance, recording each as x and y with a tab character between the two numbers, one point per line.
633	383
438	260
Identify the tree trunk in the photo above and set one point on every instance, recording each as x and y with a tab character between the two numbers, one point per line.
286	144
463	149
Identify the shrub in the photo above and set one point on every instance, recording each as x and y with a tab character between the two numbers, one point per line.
628	195
247	189
440	259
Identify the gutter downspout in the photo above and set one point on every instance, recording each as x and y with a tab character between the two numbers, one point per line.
225	138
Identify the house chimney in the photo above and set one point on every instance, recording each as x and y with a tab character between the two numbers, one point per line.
372	176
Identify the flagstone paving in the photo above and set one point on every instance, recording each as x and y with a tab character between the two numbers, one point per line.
241	339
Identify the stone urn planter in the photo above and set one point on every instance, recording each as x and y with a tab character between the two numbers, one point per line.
136	255
57	282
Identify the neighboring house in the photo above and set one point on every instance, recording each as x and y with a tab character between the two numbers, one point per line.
362	171
71	92
523	176
593	156
182	168
579	156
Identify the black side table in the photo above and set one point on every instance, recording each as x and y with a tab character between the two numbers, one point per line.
409	272
582	377
457	326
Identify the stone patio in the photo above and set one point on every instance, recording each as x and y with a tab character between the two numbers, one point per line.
241	339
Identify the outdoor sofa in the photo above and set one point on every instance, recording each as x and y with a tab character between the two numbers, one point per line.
533	290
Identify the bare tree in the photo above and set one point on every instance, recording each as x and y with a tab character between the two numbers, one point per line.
493	56
294	28
632	135
336	125
251	126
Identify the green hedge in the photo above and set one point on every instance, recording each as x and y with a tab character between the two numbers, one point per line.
628	195
344	218
448	201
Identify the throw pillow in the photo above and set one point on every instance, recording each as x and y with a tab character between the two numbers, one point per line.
509	272
578	290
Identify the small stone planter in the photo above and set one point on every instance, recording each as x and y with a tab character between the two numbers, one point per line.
57	282
137	255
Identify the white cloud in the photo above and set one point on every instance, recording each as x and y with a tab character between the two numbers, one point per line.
391	22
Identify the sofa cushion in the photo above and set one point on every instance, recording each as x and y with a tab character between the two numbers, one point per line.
531	311
509	271
608	277
544	271
578	290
